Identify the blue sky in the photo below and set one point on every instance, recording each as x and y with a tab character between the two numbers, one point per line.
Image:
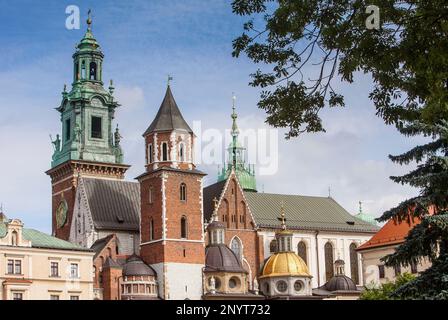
143	41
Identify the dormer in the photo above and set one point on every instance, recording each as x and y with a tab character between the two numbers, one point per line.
14	234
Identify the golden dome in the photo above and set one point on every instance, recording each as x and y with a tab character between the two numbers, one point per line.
285	264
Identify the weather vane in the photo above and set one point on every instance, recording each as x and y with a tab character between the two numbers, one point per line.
170	78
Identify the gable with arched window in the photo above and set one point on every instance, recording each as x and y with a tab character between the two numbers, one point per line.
329	259
183	192
183	227
237	247
301	251
354	268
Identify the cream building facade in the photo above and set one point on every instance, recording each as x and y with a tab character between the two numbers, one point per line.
383	243
37	266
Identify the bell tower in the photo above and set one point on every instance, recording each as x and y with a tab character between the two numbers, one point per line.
87	144
172	233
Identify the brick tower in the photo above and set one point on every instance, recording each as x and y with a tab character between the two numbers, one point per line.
172	237
87	145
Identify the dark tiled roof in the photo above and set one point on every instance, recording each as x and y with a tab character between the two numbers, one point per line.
168	117
209	194
114	204
340	283
135	266
221	258
304	212
111	263
99	244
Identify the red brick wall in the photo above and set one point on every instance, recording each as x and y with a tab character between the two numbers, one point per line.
234	212
67	183
111	283
172	251
166	137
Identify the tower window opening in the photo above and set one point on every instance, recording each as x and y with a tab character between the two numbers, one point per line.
183	227
83	70
164	151
92	71
151	229
96	129
68	130
181	152
183	192
150	159
76	70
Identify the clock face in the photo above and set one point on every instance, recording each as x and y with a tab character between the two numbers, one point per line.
61	214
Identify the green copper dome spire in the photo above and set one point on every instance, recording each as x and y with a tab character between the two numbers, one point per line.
365	216
244	172
87	110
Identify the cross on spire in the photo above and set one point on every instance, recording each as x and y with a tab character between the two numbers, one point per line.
282	217
89	19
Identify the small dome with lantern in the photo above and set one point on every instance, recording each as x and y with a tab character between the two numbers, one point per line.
285	274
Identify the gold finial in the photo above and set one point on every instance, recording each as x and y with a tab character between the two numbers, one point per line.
282	217
170	78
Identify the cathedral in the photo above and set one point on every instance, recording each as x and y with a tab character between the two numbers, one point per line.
166	235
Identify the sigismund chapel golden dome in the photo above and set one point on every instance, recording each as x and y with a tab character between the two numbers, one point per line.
285	262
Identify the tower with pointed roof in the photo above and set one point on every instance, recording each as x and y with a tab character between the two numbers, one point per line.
236	159
86	145
171	223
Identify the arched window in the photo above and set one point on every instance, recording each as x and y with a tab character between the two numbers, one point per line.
183	227
301	251
181	152
273	246
183	192
77	70
150	157
354	263
329	272
151	229
14	238
92	71
83	69
164	151
236	247
151	195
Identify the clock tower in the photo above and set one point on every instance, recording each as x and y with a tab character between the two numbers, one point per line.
87	144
